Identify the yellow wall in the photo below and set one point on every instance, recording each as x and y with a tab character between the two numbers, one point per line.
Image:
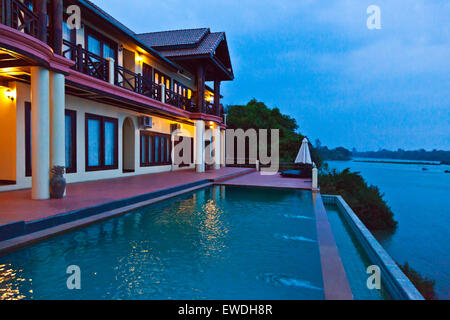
7	137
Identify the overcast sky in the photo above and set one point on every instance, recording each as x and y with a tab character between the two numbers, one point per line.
317	61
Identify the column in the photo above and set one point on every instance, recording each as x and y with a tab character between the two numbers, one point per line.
57	120
222	148
57	21
200	146
217	97
40	133
217	147
40	9
200	89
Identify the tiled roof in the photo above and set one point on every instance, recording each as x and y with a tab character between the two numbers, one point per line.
186	37
183	42
207	46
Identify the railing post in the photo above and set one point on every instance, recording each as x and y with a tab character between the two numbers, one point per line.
80	62
139	83
217	97
112	70
163	93
7	13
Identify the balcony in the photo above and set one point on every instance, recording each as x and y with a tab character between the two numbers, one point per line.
18	16
98	67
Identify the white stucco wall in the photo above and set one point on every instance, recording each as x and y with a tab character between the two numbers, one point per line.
83	106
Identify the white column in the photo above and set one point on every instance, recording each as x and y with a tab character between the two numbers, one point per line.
57	120
200	146
163	93
111	63
40	133
217	147
315	178
222	148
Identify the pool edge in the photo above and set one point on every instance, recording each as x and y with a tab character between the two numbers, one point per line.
397	283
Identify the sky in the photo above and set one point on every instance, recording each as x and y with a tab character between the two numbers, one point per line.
317	61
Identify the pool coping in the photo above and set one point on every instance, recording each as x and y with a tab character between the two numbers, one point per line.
397	283
335	282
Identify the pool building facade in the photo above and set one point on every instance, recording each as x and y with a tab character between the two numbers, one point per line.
101	100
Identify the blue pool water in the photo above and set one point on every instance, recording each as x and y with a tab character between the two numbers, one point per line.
215	243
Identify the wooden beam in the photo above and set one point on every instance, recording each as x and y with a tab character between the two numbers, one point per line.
217	97
200	89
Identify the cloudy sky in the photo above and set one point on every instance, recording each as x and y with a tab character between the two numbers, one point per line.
317	61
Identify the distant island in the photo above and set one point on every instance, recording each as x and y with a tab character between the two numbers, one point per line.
413	157
419	155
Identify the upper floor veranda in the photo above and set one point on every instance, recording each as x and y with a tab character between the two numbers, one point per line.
162	72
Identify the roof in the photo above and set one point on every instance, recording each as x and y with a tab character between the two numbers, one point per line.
191	44
186	37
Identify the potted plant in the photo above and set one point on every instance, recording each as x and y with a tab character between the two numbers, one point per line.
57	182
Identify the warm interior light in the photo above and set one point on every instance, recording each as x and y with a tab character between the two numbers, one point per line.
10	94
139	59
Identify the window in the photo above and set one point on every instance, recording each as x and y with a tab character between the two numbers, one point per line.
101	143
71	141
100	45
155	149
182	90
161	78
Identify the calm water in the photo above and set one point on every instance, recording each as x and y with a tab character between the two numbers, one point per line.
420	201
216	243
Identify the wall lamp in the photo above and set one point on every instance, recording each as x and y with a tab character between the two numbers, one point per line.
9	93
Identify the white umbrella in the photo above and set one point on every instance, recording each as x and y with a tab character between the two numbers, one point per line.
304	156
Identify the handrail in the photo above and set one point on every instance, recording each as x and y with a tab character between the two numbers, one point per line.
17	15
87	62
127	79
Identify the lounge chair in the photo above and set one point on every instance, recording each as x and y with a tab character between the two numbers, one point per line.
300	173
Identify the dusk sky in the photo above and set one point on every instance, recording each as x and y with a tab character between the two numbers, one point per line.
317	61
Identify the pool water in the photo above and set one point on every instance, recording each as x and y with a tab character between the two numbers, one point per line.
215	243
353	256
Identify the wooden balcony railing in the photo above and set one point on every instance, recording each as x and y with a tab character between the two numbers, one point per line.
210	108
17	15
179	101
86	62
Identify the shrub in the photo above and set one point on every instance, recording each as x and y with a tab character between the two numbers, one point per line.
366	201
423	284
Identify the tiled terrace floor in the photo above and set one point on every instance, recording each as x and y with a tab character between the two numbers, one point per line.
256	179
18	206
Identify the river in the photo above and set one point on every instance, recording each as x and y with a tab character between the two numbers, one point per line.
420	200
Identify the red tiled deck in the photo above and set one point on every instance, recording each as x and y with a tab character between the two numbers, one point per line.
256	179
18	206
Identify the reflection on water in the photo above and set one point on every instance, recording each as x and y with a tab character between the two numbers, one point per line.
209	244
12	284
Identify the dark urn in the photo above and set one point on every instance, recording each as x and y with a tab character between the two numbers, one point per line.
57	182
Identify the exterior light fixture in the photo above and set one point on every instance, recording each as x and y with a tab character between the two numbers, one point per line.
139	59
10	94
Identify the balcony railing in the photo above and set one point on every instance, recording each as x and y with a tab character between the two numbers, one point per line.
17	15
86	62
179	101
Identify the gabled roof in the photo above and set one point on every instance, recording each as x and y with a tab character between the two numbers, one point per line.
190	44
188	38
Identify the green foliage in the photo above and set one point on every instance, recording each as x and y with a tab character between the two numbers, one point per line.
423	284
366	201
257	115
339	154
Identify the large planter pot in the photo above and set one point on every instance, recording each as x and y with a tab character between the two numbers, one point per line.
57	183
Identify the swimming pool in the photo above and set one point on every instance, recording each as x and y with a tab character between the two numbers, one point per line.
220	242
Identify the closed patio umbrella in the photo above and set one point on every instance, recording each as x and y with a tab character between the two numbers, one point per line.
304	156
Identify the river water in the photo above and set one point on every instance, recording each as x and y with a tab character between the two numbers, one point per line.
419	196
